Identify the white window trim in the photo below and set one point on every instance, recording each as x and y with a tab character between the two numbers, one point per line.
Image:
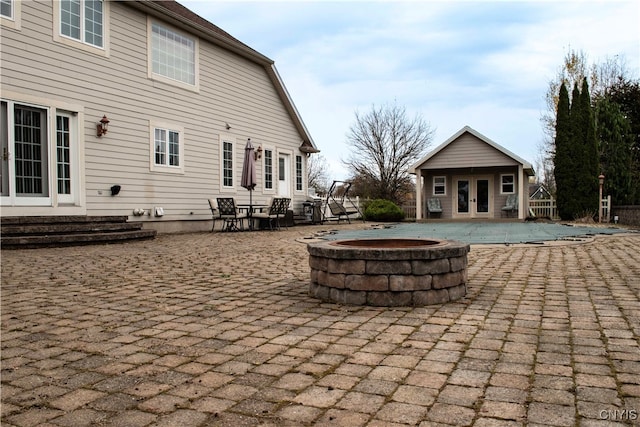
14	21
502	183
74	161
153	167
433	189
12	205
79	44
274	170
232	139
160	78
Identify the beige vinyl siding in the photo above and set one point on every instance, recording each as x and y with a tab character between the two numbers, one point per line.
232	90
468	151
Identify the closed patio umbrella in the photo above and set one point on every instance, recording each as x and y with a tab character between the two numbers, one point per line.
248	179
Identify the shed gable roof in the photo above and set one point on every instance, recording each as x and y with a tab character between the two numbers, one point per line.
469	148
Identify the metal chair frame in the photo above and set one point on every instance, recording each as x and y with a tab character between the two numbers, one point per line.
228	213
277	210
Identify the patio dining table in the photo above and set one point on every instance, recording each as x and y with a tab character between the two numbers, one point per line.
250	209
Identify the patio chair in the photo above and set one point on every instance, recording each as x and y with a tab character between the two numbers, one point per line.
277	210
229	214
433	207
511	205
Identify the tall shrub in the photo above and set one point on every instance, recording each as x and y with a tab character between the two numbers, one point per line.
562	156
589	169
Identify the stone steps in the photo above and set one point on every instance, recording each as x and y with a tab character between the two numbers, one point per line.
48	231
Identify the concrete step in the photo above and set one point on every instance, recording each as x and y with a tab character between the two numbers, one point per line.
67	228
30	232
38	241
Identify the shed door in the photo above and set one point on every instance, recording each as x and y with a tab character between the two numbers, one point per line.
473	197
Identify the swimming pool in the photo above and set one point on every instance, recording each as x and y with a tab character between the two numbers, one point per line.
478	232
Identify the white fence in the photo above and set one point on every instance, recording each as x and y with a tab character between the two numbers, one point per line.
606	209
543	208
546	208
409	209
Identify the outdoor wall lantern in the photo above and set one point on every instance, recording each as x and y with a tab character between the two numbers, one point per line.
102	126
258	153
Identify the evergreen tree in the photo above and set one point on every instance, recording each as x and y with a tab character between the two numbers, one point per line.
589	169
616	140
575	154
626	94
562	156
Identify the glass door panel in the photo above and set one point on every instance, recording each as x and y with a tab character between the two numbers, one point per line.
31	158
4	146
463	196
482	196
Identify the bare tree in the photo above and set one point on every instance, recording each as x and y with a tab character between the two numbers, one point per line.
574	69
318	173
385	143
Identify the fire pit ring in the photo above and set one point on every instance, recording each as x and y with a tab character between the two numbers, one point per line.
388	272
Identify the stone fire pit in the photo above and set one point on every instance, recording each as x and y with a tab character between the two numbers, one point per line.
388	272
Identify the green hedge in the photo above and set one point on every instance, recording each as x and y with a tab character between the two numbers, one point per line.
383	210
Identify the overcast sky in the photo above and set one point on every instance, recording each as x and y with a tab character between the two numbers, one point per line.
456	63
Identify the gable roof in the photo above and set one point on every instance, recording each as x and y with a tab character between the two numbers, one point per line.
187	20
467	129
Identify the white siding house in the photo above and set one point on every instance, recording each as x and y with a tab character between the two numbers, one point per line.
181	95
472	177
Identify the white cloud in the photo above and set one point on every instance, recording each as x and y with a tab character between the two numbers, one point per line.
482	64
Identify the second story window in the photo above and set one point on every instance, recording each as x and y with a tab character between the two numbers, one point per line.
82	20
173	55
6	9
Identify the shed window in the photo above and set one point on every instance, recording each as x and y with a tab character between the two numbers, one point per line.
508	184
439	185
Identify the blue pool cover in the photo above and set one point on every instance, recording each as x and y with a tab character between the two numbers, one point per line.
478	232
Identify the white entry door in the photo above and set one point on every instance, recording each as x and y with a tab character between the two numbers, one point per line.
284	179
473	197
